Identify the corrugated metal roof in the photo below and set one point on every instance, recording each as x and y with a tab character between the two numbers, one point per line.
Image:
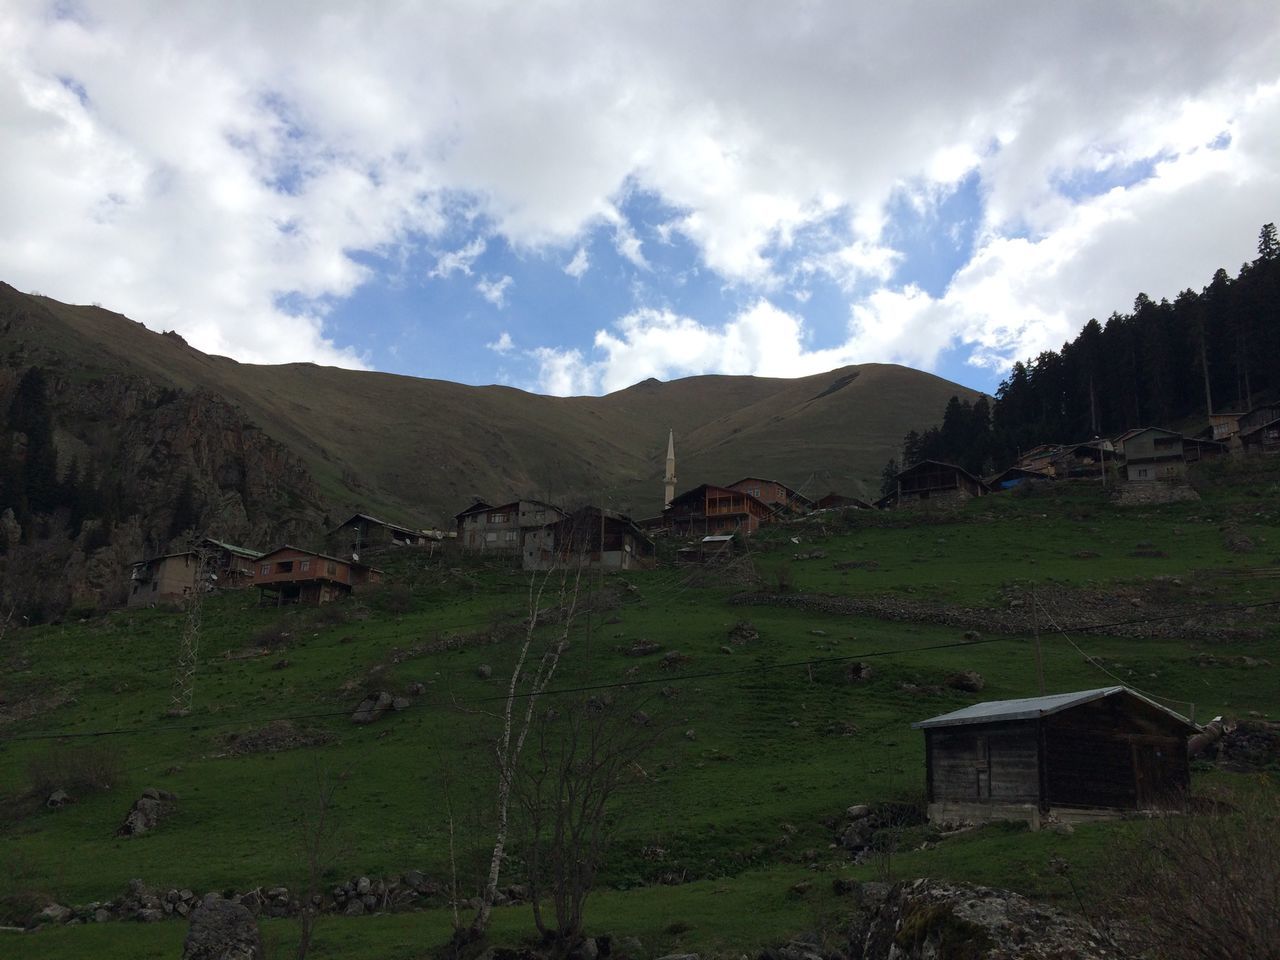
1030	708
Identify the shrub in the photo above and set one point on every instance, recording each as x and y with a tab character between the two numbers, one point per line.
1205	884
79	771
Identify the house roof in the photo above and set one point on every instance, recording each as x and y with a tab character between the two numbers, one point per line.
476	507
1017	473
1262	426
938	463
719	538
248	553
312	553
701	489
1032	708
790	492
381	523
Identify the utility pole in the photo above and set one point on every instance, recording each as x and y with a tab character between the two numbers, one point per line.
184	675
1035	627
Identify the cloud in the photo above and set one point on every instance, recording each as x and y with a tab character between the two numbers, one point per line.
504	343
579	265
495	291
458	261
232	171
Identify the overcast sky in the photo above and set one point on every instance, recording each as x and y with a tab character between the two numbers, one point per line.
572	197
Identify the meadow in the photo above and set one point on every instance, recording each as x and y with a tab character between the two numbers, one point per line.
766	739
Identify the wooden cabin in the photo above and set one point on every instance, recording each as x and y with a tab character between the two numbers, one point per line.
363	532
1016	477
1263	438
1153	453
292	575
714	549
592	538
1072	756
709	509
931	480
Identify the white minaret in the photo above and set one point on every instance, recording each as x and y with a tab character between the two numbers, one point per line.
669	481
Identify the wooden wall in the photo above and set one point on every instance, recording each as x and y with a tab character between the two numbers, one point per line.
985	763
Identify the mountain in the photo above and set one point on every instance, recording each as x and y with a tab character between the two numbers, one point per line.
276	450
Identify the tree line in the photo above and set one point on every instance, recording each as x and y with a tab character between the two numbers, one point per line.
1209	352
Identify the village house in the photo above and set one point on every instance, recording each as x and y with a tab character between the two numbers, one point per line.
1225	428
1070	756
777	495
489	529
589	538
1153	453
709	509
1195	449
1081	461
173	576
292	575
932	481
363	532
1260	430
837	501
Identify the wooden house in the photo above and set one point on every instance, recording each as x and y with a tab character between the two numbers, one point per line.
232	566
1195	449
777	495
488	529
1069	755
1153	453
837	501
1264	438
1039	459
1082	461
591	538
363	532
709	509
293	575
1225	427
933	481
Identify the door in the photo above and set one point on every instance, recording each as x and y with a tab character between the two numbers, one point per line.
1148	784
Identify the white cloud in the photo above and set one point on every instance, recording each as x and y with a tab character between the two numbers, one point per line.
458	261
227	161
504	343
495	291
579	265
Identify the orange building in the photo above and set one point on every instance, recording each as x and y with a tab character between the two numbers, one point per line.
777	495
292	575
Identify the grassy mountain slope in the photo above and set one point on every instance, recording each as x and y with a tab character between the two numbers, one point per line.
421	449
729	817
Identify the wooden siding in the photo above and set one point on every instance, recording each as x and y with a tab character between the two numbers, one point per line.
983	763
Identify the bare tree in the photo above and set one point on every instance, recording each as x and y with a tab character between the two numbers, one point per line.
535	665
317	842
584	752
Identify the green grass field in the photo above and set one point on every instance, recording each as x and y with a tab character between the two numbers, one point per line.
735	805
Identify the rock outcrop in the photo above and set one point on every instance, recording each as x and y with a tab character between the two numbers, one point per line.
222	930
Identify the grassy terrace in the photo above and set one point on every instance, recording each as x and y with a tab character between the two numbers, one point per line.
728	818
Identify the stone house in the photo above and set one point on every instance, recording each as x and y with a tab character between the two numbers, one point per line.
1153	453
484	528
1072	756
292	575
171	577
591	537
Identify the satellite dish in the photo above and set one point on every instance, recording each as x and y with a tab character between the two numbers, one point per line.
355	557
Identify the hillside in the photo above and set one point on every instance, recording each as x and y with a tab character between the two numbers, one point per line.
733	834
419	450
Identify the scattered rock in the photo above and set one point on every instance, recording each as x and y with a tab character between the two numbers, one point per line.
674	658
147	812
54	913
858	811
641	648
743	632
274	737
58	799
859	672
971	636
400	704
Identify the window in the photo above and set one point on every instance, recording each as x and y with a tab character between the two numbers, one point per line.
1142	472
154	585
331	568
284	566
511	536
491	536
304	565
497	518
266	569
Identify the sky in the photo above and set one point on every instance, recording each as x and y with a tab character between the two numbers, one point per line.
572	197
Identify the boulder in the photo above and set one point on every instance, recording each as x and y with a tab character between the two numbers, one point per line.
54	913
371	708
57	799
968	680
222	930
401	703
147	812
927	919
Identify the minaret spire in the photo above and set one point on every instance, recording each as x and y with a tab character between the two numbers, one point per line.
669	481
